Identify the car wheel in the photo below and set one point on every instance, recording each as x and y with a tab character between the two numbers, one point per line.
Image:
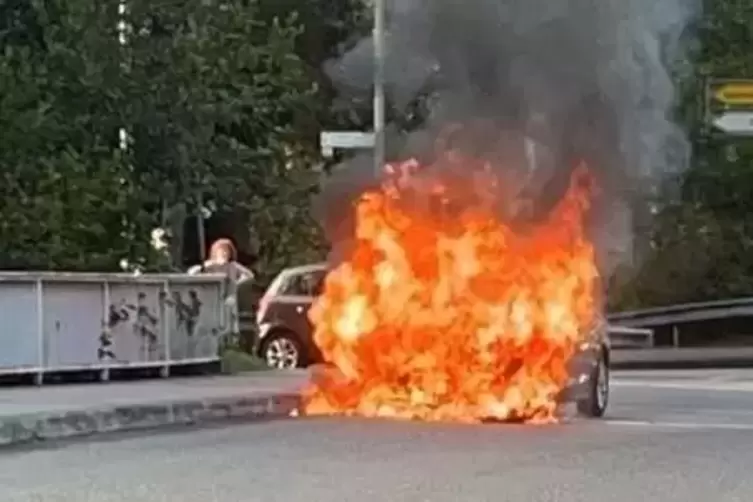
282	350
595	405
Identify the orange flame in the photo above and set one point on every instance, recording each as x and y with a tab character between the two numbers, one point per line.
451	314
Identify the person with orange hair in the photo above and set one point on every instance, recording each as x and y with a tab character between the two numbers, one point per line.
223	260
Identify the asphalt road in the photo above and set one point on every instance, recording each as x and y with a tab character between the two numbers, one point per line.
688	437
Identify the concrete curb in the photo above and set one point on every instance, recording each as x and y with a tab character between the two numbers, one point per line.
39	427
682	364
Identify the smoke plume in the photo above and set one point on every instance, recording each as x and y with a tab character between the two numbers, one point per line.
579	79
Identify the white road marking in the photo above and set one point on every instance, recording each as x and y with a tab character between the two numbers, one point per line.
680	425
743	374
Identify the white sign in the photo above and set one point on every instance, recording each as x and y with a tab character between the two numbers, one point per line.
349	140
735	122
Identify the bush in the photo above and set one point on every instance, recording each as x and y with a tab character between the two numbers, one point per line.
235	361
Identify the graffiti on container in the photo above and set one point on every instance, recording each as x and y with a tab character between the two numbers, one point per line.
145	323
105	352
187	312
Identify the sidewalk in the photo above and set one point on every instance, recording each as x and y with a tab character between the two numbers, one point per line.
50	412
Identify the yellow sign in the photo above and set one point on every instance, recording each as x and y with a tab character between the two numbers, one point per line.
735	93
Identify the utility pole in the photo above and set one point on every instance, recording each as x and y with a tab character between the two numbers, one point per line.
352	140
379	92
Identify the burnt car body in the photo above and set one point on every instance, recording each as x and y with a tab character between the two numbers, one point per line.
285	338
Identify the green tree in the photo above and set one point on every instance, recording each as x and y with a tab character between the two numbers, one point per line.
66	198
215	96
222	105
702	240
328	28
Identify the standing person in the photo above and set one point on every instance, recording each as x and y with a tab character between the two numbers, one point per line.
223	260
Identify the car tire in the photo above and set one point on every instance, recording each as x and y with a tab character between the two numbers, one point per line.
282	350
595	405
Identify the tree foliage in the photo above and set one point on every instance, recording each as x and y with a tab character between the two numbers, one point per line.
702	238
222	103
214	93
66	200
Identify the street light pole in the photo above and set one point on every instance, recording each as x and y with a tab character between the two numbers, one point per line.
201	234
379	93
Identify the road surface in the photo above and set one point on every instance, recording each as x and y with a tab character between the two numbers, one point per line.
687	437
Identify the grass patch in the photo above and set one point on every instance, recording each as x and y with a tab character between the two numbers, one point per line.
235	361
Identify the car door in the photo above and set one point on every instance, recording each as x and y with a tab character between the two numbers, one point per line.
294	301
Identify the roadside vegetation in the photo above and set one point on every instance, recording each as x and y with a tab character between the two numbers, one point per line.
222	105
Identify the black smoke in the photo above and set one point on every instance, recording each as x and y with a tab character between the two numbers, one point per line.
586	79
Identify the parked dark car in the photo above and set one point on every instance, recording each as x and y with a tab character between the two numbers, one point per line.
285	338
284	331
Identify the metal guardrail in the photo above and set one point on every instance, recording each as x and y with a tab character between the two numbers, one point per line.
685	313
622	337
681	307
91	321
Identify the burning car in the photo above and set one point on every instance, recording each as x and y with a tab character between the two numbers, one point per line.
446	305
286	338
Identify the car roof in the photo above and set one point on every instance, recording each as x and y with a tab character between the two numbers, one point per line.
282	277
303	269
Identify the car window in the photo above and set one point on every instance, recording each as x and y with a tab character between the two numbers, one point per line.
318	284
303	284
